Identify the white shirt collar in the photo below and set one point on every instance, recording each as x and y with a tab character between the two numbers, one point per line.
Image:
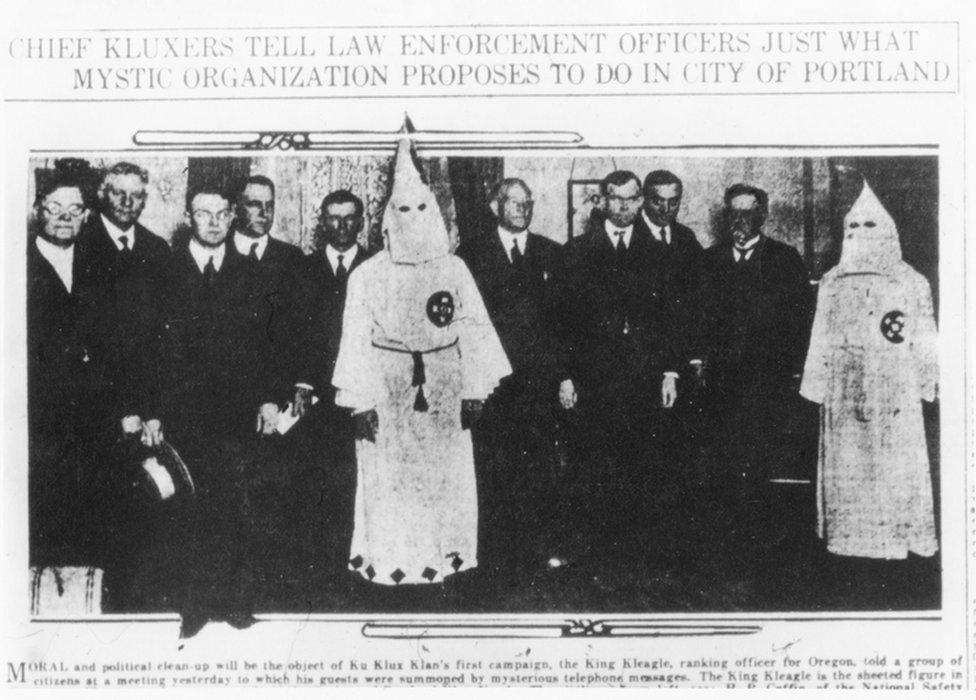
661	233
612	233
508	238
747	249
115	233
202	255
347	257
61	259
243	244
751	243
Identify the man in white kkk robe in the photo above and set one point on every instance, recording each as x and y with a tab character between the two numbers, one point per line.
872	361
417	357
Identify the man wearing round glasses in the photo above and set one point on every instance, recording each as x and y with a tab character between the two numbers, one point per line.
62	377
205	295
516	271
213	382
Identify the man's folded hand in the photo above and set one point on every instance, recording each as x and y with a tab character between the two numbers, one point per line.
267	418
367	425
567	394
152	432
669	390
471	410
131	425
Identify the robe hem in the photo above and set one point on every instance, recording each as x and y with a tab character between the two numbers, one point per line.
384	579
899	555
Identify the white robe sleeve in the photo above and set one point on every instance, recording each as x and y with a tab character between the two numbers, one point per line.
483	360
925	342
355	375
815	372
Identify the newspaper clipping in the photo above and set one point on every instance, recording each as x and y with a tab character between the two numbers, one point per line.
498	346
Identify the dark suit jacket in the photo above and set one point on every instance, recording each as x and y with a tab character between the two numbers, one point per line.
322	308
129	289
65	382
680	263
276	296
63	368
522	305
215	341
619	323
755	316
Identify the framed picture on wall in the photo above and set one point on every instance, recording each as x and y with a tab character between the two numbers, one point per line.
582	196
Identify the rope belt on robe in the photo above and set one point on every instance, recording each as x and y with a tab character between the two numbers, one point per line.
419	371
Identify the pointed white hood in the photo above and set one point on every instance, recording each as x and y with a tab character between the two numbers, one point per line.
870	241
413	228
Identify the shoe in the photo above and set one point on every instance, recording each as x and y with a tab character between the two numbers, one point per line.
241	620
191	624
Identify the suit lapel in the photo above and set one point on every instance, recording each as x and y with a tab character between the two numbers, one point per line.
640	241
140	247
100	247
360	257
602	251
754	261
532	257
328	274
186	266
272	252
497	253
43	274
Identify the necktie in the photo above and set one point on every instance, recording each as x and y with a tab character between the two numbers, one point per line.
125	252
621	249
666	235
341	271
517	258
209	272
253	255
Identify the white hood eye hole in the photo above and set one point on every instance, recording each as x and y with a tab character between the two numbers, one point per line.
869	224
403	207
421	206
854	224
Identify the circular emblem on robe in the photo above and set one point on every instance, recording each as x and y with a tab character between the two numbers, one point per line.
892	326
440	308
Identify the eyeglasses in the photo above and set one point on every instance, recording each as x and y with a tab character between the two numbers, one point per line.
203	216
74	211
254	204
524	206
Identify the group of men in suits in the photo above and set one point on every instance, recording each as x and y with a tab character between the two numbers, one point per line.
215	344
641	361
203	346
91	375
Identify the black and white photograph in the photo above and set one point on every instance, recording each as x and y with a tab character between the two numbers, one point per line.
510	345
388	382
